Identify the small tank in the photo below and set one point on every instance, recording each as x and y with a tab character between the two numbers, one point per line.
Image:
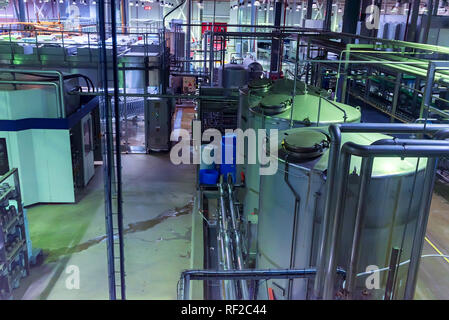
298	191
232	76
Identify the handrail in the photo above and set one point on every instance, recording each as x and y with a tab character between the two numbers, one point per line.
61	110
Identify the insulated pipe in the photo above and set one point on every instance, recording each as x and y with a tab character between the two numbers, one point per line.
237	243
326	247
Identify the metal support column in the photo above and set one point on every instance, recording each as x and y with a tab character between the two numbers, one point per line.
328	16
188	34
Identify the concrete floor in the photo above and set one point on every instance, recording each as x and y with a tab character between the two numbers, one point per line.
157	218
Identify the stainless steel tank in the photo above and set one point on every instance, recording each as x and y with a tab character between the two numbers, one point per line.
232	76
292	205
268	105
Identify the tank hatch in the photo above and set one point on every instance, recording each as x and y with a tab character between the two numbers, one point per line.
275	104
300	146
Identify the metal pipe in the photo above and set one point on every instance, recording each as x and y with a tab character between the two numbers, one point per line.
365	177
326	246
118	153
394	263
294	226
224	235
421	226
237	243
107	155
188	275
294	83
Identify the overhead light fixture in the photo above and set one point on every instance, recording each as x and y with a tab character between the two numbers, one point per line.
256	3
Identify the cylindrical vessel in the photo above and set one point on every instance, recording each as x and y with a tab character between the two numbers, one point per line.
269	105
292	206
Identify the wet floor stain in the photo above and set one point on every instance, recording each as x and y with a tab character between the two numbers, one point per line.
55	254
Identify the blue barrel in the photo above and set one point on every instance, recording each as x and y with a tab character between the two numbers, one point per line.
229	146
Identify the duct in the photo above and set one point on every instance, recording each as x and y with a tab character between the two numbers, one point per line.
328	238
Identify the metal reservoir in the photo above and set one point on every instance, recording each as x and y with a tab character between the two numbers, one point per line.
232	76
269	105
292	205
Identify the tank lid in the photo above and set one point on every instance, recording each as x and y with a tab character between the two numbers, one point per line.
304	145
275	103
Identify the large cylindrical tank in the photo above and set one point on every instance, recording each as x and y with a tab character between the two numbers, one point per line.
298	191
268	105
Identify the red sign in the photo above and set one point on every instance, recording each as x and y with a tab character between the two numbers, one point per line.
147	8
218	27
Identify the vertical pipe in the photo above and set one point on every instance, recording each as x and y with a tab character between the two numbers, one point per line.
212	57
309	9
397	87
425	33
412	24
394	260
294	82
275	41
331	259
118	153
334	152
427	99
107	154
328	16
365	177
421	226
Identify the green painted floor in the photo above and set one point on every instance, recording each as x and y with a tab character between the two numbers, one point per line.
157	220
